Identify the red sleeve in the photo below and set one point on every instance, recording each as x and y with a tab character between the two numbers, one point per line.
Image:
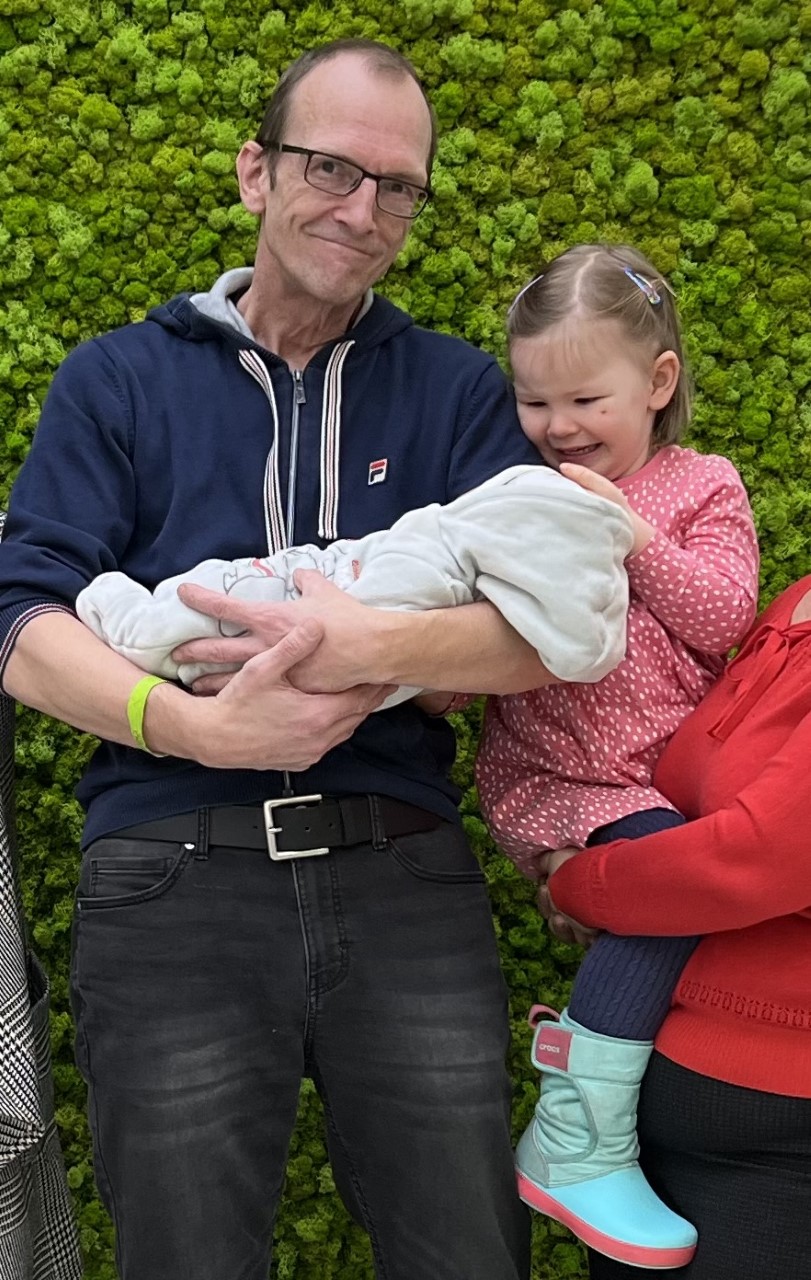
747	862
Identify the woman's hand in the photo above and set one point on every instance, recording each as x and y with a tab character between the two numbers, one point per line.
562	926
605	488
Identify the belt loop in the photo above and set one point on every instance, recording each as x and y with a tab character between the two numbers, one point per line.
378	831
201	852
349	822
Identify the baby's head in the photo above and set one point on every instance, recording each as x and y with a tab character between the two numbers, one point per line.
596	353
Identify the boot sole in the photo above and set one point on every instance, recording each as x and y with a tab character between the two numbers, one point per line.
634	1255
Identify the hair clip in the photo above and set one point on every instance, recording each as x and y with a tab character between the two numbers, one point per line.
647	288
521	293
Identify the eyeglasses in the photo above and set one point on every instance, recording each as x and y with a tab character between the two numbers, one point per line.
340	178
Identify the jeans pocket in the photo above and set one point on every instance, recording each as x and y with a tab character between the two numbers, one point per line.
443	856
122	873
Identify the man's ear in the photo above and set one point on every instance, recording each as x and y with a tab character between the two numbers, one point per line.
255	179
664	380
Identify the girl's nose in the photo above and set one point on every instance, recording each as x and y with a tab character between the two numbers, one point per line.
561	425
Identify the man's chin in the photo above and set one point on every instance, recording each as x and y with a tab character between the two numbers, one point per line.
343	290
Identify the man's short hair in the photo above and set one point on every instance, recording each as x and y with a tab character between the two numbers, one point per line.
380	58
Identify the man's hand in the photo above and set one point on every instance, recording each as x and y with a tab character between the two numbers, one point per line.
262	633
261	721
340	661
563	927
605	488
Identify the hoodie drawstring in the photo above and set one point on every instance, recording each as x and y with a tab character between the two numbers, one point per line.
331	443
330	448
274	516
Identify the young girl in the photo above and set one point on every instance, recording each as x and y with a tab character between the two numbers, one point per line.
596	355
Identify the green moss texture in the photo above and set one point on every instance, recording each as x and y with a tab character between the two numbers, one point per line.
680	125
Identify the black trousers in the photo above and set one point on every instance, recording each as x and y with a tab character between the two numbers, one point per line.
206	983
737	1164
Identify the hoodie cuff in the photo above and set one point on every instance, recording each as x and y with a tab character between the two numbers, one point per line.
15	617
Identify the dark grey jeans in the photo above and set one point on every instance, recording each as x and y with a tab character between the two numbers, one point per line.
204	987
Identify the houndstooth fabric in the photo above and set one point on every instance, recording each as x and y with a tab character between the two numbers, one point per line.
38	1237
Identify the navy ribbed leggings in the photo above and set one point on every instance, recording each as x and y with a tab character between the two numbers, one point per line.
624	985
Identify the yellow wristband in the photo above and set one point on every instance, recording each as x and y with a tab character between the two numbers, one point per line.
136	709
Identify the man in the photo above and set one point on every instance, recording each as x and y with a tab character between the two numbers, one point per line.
287	405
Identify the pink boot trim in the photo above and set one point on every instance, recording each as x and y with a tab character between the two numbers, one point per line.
633	1254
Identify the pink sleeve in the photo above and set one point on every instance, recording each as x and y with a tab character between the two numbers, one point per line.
748	862
703	587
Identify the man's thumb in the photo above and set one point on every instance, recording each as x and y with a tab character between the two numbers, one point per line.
298	644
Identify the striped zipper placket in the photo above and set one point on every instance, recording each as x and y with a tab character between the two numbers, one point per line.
274	517
331	443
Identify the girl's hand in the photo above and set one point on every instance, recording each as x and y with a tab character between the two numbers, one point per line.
605	488
563	927
434	703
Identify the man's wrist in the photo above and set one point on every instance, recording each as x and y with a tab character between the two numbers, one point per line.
384	649
136	709
176	723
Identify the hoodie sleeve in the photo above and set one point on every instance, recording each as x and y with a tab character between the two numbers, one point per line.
72	506
489	437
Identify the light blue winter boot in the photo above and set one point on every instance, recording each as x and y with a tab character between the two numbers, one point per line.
577	1160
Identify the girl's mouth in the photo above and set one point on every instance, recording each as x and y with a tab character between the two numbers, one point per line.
582	452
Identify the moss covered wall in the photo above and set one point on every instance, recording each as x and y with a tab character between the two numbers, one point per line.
682	125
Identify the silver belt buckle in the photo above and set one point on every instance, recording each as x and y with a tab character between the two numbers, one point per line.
271	831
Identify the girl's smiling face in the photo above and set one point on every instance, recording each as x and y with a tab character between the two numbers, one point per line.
584	395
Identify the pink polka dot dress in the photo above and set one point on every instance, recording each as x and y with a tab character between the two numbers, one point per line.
556	763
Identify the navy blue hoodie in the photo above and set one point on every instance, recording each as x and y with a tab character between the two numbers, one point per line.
176	439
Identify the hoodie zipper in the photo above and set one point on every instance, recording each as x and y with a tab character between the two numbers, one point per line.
299	398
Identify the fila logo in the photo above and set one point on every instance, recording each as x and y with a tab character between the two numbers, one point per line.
377	471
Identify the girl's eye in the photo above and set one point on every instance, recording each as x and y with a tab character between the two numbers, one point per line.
587	399
532	404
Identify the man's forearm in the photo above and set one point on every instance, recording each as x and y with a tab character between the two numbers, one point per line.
259	722
470	649
60	668
467	649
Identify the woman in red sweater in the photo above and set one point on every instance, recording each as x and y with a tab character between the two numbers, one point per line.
725	1115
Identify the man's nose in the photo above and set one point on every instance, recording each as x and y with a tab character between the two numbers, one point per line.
358	209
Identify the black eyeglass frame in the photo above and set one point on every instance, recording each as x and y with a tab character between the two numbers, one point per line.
377	178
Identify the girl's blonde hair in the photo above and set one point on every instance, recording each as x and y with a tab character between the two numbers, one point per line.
610	282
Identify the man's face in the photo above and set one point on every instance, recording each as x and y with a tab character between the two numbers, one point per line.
329	247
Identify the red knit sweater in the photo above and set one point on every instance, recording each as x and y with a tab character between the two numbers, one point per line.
740	871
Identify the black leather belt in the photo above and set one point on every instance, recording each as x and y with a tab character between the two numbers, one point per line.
294	826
